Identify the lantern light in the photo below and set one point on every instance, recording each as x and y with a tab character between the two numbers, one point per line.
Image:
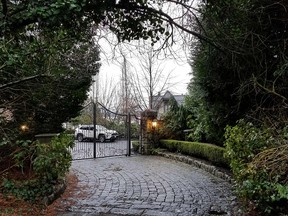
24	127
154	123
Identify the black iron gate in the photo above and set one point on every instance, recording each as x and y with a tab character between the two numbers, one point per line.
107	134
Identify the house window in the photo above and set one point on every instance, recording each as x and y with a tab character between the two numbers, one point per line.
166	107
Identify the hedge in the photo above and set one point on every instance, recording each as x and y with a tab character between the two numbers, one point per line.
135	145
210	152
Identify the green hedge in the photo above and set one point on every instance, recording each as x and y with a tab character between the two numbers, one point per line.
212	153
135	145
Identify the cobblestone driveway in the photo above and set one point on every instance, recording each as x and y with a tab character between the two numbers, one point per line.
149	185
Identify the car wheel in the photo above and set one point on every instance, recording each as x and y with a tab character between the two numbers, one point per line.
101	138
80	137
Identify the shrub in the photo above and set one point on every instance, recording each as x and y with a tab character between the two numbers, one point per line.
53	159
49	164
243	142
136	146
210	152
259	166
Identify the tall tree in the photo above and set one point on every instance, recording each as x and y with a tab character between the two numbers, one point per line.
45	78
150	79
174	121
129	19
35	35
244	74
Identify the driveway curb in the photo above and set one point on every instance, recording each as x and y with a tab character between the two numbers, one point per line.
216	171
58	190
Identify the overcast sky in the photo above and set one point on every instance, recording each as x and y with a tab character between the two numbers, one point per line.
174	61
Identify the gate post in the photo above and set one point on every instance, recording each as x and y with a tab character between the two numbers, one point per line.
129	134
94	131
146	127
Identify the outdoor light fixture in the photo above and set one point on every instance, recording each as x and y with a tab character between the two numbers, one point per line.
24	127
154	123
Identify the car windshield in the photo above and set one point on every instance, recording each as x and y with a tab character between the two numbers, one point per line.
101	127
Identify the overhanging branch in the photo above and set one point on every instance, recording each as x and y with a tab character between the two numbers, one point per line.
165	17
22	80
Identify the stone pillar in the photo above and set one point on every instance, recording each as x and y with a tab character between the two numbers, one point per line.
146	129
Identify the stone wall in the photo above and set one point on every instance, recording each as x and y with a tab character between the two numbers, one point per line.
46	138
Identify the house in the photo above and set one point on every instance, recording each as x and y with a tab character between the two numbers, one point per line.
161	102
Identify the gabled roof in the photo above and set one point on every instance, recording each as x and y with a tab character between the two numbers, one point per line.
156	100
180	99
167	95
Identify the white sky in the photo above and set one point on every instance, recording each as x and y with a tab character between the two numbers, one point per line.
172	60
175	58
111	60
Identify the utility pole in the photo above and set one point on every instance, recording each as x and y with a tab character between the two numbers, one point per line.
124	85
126	110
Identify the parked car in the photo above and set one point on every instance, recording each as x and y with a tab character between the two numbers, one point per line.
86	132
114	133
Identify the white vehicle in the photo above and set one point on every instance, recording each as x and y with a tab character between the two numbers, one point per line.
86	132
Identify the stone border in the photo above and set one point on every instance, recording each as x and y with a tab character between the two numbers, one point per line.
58	190
46	138
197	163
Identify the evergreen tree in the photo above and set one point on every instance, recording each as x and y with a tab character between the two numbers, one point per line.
242	74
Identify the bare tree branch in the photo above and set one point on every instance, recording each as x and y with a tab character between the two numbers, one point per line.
269	90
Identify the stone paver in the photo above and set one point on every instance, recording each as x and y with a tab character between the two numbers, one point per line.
148	185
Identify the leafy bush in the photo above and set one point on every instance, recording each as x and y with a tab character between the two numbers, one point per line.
207	119
259	166
243	142
136	145
212	153
174	121
49	164
153	138
135	128
53	159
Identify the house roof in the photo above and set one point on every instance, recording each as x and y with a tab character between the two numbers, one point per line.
156	100
180	99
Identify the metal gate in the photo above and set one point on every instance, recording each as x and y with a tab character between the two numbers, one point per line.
106	134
